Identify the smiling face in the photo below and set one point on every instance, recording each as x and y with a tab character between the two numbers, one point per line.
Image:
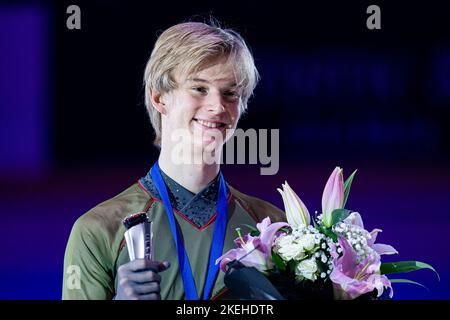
205	105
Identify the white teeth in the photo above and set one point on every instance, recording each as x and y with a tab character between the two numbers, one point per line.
208	124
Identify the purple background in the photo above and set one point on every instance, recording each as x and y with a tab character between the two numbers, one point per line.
339	95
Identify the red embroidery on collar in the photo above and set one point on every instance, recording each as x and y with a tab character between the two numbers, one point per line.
180	213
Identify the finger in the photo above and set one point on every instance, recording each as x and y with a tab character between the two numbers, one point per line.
157	266
164	266
144	276
147	288
145	264
133	266
151	296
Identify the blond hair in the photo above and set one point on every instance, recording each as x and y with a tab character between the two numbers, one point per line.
187	48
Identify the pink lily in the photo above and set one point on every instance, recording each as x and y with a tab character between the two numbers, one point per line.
247	255
352	279
254	251
333	195
268	232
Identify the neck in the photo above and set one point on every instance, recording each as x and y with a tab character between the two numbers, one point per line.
193	177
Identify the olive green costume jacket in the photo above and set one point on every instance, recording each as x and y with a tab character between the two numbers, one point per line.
97	247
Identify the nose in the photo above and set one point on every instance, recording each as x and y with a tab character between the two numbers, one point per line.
215	104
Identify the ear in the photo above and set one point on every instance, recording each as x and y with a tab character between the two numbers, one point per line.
158	102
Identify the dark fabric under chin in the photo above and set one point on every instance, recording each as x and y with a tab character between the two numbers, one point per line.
198	208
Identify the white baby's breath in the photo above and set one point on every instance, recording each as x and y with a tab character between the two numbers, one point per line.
357	237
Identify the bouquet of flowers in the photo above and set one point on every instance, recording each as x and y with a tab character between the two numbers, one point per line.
331	256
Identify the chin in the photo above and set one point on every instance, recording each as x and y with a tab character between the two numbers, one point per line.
206	145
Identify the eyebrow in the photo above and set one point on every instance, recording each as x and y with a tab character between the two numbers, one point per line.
197	80
206	81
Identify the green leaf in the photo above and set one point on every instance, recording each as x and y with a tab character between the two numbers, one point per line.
347	185
292	264
407	281
328	232
405	266
278	261
338	215
285	229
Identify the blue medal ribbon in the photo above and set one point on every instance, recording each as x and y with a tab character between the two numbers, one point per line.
217	241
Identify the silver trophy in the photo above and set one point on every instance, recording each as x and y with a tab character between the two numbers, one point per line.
139	236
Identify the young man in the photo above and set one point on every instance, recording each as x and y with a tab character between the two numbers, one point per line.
197	84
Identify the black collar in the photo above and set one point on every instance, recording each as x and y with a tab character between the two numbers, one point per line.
197	208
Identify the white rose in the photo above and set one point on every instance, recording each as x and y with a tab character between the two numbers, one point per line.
308	242
307	269
288	249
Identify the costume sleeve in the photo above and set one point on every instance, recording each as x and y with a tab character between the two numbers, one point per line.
259	209
87	267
